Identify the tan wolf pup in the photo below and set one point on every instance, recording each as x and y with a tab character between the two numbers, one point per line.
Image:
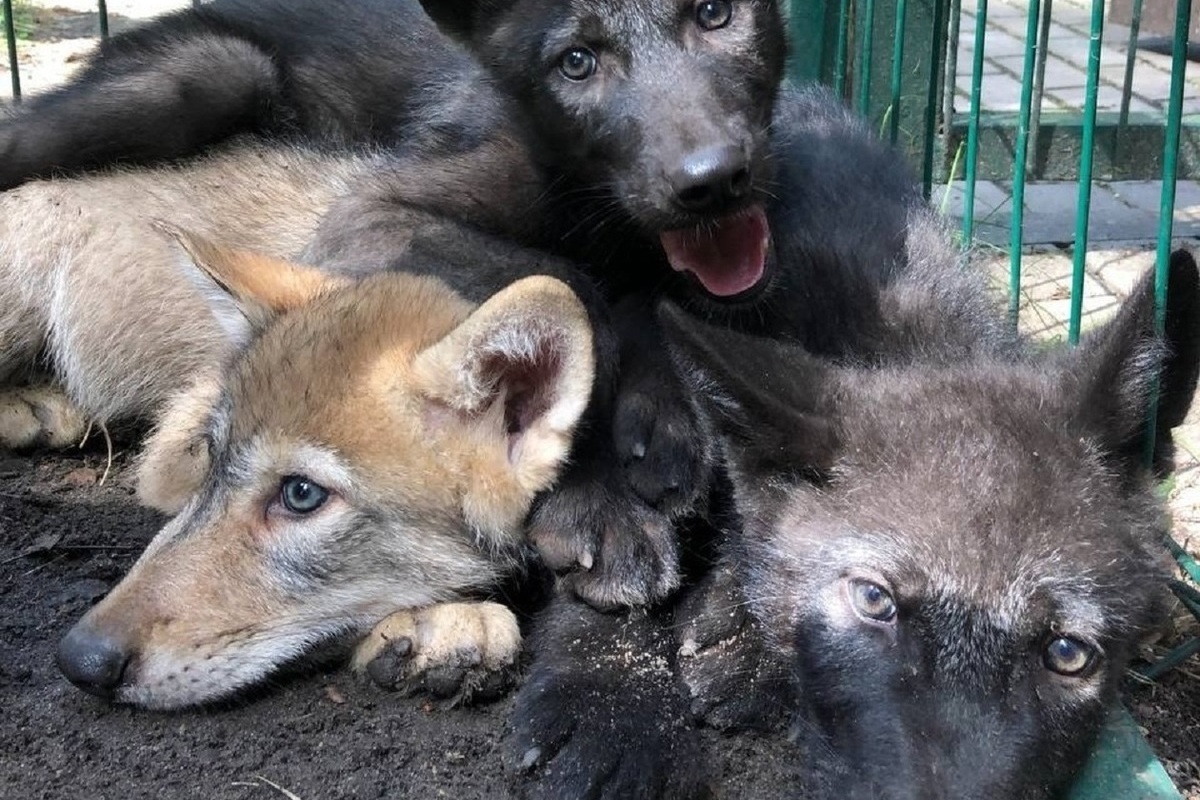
374	447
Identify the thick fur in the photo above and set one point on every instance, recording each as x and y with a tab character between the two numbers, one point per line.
343	72
1000	500
94	295
427	424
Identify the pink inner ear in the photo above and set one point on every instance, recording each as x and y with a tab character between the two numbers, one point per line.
529	383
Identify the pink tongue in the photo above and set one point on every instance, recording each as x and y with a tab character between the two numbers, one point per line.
728	256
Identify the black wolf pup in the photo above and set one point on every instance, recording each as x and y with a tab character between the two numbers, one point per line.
953	561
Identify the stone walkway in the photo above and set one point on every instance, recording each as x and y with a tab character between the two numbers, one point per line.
1066	63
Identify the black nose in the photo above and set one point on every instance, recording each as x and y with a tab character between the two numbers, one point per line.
711	179
92	660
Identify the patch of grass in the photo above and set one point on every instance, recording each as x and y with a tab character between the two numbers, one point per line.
24	19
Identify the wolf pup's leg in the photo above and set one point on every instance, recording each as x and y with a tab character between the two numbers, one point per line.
602	713
39	416
459	651
159	92
33	411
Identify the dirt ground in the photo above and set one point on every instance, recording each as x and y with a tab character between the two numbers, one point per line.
65	540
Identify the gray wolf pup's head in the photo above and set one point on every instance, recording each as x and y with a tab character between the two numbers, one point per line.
956	560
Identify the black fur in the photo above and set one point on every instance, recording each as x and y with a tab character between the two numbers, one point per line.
343	72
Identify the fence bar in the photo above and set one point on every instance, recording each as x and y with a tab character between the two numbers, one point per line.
973	123
931	105
839	58
10	35
1039	78
1018	192
864	78
1166	205
1083	207
1135	25
950	78
898	71
102	6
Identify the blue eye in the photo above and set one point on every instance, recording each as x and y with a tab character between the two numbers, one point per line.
872	601
714	14
299	495
577	64
1068	656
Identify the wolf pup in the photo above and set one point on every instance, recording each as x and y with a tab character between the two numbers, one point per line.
953	561
375	448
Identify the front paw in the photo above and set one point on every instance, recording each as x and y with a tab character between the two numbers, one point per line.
660	443
39	416
609	548
734	679
601	714
461	652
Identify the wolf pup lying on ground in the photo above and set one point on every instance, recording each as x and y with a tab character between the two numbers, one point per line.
947	561
374	449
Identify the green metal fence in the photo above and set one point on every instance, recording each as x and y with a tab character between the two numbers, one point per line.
918	69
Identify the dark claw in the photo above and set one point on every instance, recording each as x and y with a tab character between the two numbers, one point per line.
387	669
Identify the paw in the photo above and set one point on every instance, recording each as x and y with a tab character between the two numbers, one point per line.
601	716
461	652
39	416
734	680
660	443
609	548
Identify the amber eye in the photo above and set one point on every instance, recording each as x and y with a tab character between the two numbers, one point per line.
872	601
713	14
299	495
577	64
1068	656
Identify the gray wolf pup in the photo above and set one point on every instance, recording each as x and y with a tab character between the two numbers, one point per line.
954	560
374	448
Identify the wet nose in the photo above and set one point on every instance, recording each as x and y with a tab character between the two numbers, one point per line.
92	660
711	179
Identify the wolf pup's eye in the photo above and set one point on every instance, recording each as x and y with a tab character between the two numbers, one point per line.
1068	656
872	601
713	14
577	64
299	495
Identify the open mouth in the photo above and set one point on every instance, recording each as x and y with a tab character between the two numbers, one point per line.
728	256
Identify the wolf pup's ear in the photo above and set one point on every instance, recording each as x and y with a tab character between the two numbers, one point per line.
245	290
174	460
761	396
1117	367
522	366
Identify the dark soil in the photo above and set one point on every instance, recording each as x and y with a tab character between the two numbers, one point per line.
64	540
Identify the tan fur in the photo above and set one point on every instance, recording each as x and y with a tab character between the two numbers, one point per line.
174	461
40	416
432	423
398	397
85	274
467	635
